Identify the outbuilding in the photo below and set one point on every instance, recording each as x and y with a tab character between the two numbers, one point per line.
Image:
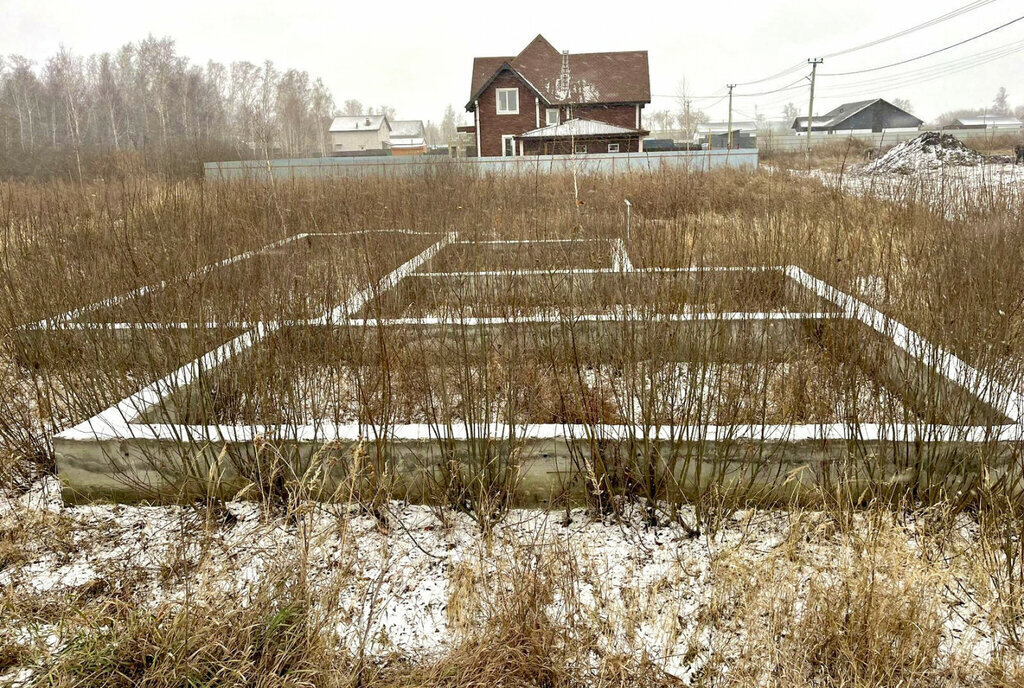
1000	122
861	117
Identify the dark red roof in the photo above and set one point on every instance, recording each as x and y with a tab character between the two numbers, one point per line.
620	77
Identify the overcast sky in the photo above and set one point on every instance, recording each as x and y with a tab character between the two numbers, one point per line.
417	56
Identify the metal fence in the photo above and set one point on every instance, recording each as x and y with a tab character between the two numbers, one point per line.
386	166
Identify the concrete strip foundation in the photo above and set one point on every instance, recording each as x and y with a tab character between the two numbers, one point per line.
133	452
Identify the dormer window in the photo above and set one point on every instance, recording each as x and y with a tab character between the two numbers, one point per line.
508	101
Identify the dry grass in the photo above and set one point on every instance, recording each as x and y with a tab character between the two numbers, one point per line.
864	593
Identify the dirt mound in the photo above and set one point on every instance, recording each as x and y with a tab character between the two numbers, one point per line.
929	151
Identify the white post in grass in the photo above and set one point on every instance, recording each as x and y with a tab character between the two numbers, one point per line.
629	206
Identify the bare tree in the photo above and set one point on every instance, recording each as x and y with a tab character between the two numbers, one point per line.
688	116
903	104
321	105
449	125
145	94
1001	103
385	110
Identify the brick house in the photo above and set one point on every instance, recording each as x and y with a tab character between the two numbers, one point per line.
523	105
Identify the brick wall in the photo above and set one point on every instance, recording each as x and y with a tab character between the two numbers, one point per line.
619	115
493	125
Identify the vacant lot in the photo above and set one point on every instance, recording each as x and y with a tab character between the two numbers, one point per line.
475	311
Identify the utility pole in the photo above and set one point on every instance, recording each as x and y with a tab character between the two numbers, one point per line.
731	87
814	62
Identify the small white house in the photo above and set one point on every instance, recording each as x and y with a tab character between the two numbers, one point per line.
353	133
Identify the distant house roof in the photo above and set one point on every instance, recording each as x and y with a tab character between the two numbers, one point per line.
359	123
615	77
407	128
580	128
723	127
408	142
989	121
835	117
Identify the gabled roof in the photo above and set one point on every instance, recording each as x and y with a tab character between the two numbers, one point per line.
837	116
359	123
578	128
723	127
407	128
592	78
408	142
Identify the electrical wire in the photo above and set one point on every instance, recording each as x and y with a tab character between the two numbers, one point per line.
929	54
938	70
923	25
921	75
686	97
977	4
785	72
925	74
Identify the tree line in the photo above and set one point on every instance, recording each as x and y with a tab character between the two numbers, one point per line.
148	97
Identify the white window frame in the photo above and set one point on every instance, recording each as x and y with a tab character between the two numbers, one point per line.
504	138
497	101
613	148
579	148
547	116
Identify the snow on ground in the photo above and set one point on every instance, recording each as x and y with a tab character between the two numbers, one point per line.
936	170
649	589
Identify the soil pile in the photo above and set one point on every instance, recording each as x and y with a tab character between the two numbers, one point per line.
929	151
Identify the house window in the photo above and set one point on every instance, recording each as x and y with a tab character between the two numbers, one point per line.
581	148
551	116
508	101
508	145
613	148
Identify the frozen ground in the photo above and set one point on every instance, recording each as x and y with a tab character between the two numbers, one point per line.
935	169
947	187
424	583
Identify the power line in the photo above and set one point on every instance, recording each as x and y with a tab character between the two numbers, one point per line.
934	52
785	72
788	87
923	25
931	73
922	75
925	74
949	66
976	4
686	97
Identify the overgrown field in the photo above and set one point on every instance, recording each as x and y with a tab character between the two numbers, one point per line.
539	309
